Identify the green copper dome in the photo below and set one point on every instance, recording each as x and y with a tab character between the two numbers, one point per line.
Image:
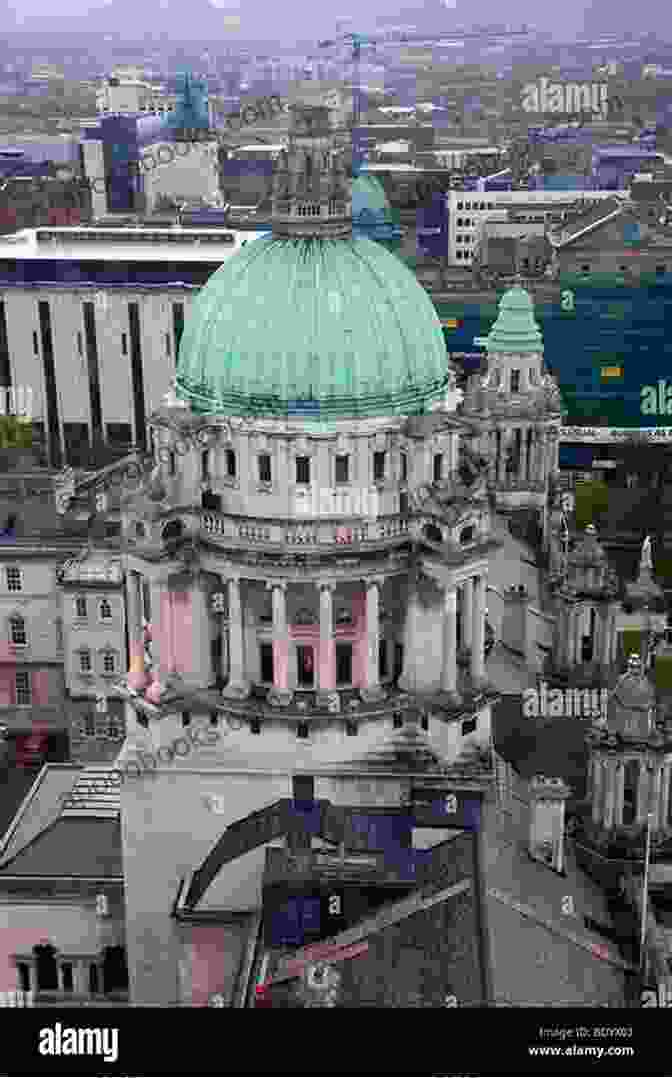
322	328
515	329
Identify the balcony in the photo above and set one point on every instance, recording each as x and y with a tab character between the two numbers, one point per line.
312	534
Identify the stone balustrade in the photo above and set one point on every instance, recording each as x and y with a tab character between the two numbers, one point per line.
283	533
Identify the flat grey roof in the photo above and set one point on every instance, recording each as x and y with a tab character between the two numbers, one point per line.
117	245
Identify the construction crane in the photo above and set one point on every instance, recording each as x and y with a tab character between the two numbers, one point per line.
357	42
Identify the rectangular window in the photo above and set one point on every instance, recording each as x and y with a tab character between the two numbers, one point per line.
168	344
342	470
80	606
17	626
264	468
109	664
255	726
36	349
378	467
24	976
303	470
468	726
205	464
105	610
85	662
438	467
186	718
344	664
124	344
303	788
89	725
137	375
178	325
266	662
231	464
14	578
172	464
24	695
95	399
66	974
351	728
404	467
515	381
80	347
383	669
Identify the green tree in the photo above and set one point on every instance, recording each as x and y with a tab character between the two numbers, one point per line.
15	432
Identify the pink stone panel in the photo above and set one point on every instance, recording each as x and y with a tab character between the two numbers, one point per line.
281	664
41	687
7	685
209	945
163	634
328	665
19	941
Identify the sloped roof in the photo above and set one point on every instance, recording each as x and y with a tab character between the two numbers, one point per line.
70	847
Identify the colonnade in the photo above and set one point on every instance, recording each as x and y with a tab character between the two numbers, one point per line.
652	792
533	463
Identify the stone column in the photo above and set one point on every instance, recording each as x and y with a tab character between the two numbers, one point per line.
467	612
522	474
664	798
238	687
492	456
449	669
501	461
598	790
407	682
478	631
280	693
610	795
619	795
642	794
655	796
372	690
162	628
605	646
327	666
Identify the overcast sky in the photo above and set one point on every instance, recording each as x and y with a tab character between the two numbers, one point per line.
301	19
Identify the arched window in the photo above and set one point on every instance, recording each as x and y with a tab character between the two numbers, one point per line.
17	630
304	617
467	534
344	616
105	610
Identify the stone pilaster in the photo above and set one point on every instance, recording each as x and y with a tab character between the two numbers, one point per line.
523	454
238	686
664	798
280	694
449	670
372	690
655	796
597	791
619	795
478	631
467	612
327	667
610	794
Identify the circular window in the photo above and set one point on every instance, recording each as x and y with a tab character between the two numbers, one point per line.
433	533
173	530
467	535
